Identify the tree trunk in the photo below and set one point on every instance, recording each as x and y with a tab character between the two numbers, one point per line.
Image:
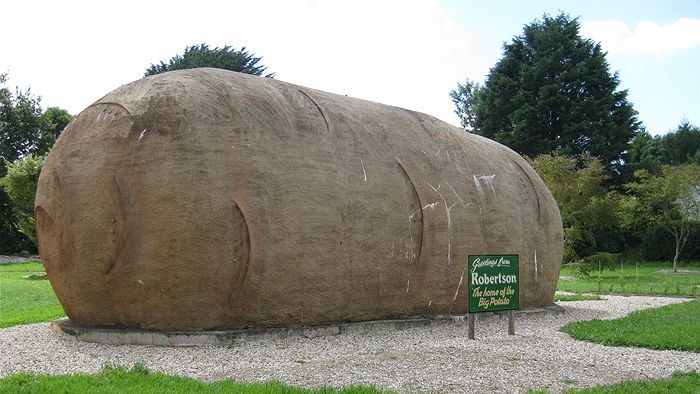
675	261
677	237
681	236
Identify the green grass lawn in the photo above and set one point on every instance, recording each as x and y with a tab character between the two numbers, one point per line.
631	279
672	327
679	383
140	380
24	301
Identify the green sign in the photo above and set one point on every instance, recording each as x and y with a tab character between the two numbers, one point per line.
493	283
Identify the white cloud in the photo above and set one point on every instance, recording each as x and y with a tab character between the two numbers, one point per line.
646	37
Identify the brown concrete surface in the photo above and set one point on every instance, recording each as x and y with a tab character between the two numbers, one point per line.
131	336
207	199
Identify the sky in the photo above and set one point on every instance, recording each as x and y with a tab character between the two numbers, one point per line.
406	53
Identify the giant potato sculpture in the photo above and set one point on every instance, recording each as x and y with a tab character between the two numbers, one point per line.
207	199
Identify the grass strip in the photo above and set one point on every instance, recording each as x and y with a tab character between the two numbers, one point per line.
672	327
139	379
645	278
679	383
25	301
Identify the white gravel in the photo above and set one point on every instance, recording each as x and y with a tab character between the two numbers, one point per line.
436	358
4	259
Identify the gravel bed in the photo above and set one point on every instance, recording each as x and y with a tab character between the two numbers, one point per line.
438	358
17	259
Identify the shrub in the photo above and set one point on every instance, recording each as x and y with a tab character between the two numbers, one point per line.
20	185
596	262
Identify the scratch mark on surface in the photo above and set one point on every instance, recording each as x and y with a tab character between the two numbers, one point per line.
430	303
479	189
414	255
323	114
488	179
140	281
123	108
449	234
245	241
457	195
536	266
121	206
410	224
110	267
449	220
447	153
534	189
461	279
408	285
429	206
363	169
142	134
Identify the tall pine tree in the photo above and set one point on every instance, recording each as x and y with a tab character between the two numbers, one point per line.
227	58
553	92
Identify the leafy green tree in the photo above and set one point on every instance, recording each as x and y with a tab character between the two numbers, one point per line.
201	55
24	130
671	200
53	121
681	146
20	123
19	129
20	184
553	92
588	210
11	240
642	154
646	152
466	100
